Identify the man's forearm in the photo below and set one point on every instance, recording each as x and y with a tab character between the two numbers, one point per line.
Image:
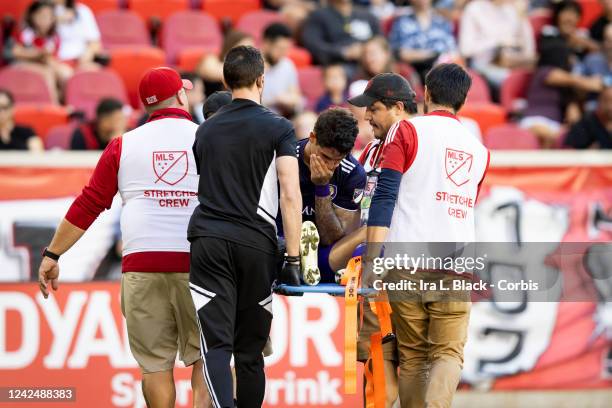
65	237
292	222
328	223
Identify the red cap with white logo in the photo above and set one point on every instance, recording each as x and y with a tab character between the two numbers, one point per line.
159	84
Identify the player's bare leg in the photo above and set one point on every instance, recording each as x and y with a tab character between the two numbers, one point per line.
343	250
201	397
158	389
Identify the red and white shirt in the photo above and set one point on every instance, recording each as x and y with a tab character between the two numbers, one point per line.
29	39
442	166
153	169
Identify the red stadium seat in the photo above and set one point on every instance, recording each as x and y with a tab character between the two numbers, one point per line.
156	8
479	92
189	29
231	9
131	63
255	22
26	85
189	58
14	8
122	28
59	137
85	89
98	6
538	20
311	84
300	57
510	137
514	89
487	115
591	10
40	117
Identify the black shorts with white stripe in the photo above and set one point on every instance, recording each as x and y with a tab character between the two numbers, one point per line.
231	289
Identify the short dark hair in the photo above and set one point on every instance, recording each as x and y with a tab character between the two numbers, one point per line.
33	8
336	128
242	66
410	106
564	5
448	85
9	96
275	31
107	106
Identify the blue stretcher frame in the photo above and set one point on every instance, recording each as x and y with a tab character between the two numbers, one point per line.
327	288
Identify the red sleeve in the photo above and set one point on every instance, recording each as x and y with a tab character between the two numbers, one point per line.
484	173
364	153
98	194
400	148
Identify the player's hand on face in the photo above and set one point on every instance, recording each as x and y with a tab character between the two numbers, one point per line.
320	174
48	273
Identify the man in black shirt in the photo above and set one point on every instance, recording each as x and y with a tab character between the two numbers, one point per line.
594	130
110	122
244	152
336	33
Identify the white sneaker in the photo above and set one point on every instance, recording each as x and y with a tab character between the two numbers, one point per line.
309	244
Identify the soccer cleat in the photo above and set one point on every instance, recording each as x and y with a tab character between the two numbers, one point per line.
309	244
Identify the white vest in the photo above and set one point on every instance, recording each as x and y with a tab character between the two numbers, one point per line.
158	183
437	193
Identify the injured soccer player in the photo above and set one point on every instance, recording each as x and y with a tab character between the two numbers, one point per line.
332	183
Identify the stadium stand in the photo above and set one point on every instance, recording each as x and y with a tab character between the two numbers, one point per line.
510	137
121	28
514	90
148	9
487	115
131	63
59	137
255	22
229	9
27	86
98	6
188	29
13	8
311	84
479	92
41	117
85	89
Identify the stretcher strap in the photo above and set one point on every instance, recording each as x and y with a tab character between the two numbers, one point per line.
381	307
353	271
376	393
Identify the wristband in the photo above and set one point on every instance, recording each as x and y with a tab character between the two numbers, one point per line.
322	191
50	254
292	259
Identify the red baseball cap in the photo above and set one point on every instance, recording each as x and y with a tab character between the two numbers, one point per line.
159	84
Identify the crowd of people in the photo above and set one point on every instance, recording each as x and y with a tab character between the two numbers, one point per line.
353	41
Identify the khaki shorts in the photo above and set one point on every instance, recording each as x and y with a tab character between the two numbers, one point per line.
160	318
370	326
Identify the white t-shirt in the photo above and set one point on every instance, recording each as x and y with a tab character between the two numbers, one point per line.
75	35
279	79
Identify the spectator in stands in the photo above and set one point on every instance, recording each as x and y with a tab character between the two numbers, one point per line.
382	9
566	17
597	28
366	133
282	90
376	58
336	33
422	36
110	122
304	123
79	34
497	36
335	81
37	45
599	64
451	9
552	95
14	137
594	130
210	68
215	102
